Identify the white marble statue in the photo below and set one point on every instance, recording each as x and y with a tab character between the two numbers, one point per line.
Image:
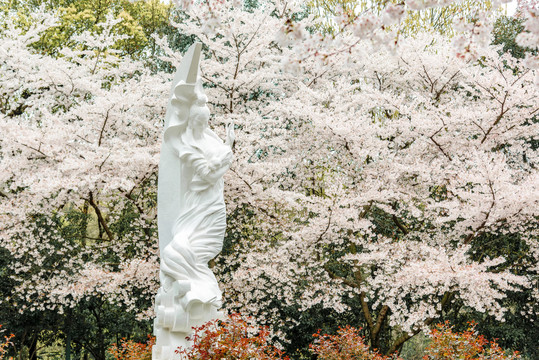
191	211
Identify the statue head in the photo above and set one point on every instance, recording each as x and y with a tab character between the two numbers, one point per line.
199	114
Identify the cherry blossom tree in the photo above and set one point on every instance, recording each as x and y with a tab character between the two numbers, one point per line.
79	148
368	181
78	142
375	176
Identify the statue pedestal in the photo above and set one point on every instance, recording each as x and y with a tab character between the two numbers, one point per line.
167	344
176	316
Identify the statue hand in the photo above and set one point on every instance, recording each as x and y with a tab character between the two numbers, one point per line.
230	136
214	163
227	159
218	162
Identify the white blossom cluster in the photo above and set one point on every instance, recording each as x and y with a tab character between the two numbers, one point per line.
440	146
88	134
368	176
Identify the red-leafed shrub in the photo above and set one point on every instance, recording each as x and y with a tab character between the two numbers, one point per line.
237	339
5	344
232	339
466	345
130	350
346	345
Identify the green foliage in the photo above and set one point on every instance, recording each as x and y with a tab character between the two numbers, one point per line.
440	19
435	19
96	323
322	320
140	21
506	29
414	348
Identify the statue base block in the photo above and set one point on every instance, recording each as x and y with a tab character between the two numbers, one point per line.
176	316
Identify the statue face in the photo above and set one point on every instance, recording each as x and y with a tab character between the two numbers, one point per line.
199	116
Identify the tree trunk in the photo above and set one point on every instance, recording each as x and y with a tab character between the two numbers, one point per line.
32	352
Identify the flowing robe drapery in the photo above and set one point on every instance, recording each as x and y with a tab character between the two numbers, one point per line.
196	233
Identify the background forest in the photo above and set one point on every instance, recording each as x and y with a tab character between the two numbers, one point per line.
389	188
